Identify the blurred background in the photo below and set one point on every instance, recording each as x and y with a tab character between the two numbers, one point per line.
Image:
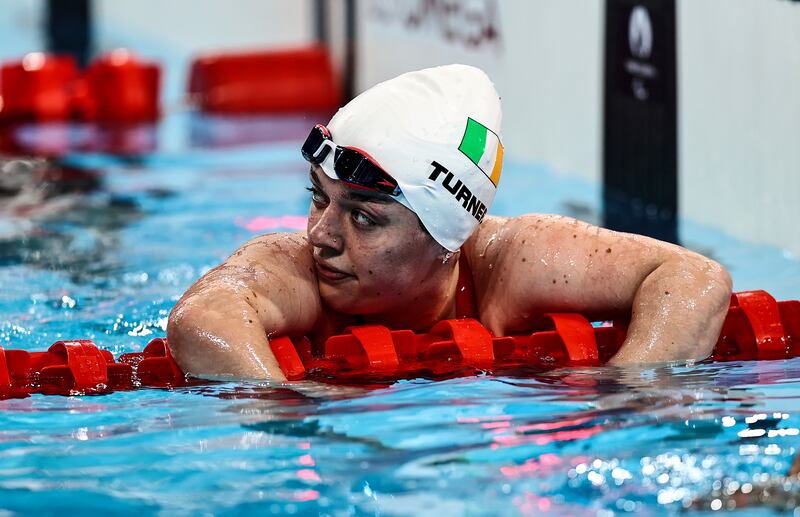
676	109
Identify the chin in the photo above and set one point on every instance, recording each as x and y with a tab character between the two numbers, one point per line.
340	300
350	303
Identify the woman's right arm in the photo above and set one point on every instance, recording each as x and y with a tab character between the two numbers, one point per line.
220	328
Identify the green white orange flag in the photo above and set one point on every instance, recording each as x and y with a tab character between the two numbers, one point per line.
482	145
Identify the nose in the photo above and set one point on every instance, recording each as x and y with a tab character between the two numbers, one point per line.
323	231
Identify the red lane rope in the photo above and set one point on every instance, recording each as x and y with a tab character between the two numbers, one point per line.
756	327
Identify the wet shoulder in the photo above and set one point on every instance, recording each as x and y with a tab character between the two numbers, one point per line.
494	250
287	255
283	264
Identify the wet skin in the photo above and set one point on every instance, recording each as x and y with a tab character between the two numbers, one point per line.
365	258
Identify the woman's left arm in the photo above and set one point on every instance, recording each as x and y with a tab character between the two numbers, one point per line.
676	299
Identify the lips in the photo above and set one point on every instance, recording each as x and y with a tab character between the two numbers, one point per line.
329	273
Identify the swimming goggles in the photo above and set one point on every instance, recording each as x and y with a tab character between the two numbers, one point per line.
350	165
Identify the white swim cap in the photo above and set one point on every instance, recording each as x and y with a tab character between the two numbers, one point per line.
437	132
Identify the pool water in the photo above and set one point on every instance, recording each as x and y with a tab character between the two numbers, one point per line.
110	263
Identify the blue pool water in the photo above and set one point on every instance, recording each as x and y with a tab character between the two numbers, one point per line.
109	264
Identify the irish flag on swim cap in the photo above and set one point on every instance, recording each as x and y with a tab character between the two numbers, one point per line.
483	147
437	132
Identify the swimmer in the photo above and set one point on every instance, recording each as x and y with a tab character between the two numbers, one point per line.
37	189
400	181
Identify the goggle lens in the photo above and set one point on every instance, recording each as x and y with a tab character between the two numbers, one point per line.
349	164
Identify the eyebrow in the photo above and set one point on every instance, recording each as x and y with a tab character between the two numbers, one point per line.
367	196
354	194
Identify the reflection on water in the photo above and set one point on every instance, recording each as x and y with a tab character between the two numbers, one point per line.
567	442
661	441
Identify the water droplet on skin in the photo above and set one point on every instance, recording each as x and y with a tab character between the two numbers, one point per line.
488	243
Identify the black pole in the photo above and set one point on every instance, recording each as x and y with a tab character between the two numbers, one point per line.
351	39
640	144
321	21
69	28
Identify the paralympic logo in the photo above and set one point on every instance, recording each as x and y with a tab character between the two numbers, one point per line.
640	33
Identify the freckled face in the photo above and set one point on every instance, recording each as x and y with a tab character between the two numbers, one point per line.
371	254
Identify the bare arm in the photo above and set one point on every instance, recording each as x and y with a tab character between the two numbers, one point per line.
677	299
221	325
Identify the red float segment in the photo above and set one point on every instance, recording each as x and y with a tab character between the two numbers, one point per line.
790	316
405	344
736	340
764	319
85	363
288	358
378	344
303	347
67	366
116	87
369	346
505	347
471	339
577	336
273	81
757	327
79	366
364	348
5	377
37	87
545	349
609	340
121	88
155	365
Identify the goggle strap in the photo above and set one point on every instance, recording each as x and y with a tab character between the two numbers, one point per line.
320	154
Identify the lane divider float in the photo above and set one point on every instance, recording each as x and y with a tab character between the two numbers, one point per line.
117	86
290	80
757	327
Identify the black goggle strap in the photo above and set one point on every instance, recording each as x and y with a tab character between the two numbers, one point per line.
322	151
318	144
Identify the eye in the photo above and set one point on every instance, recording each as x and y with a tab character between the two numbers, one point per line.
362	219
316	196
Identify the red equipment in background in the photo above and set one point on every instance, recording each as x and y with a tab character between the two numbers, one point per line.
118	94
274	81
116	87
121	88
39	87
757	327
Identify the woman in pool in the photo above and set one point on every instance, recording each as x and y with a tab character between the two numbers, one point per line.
401	179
